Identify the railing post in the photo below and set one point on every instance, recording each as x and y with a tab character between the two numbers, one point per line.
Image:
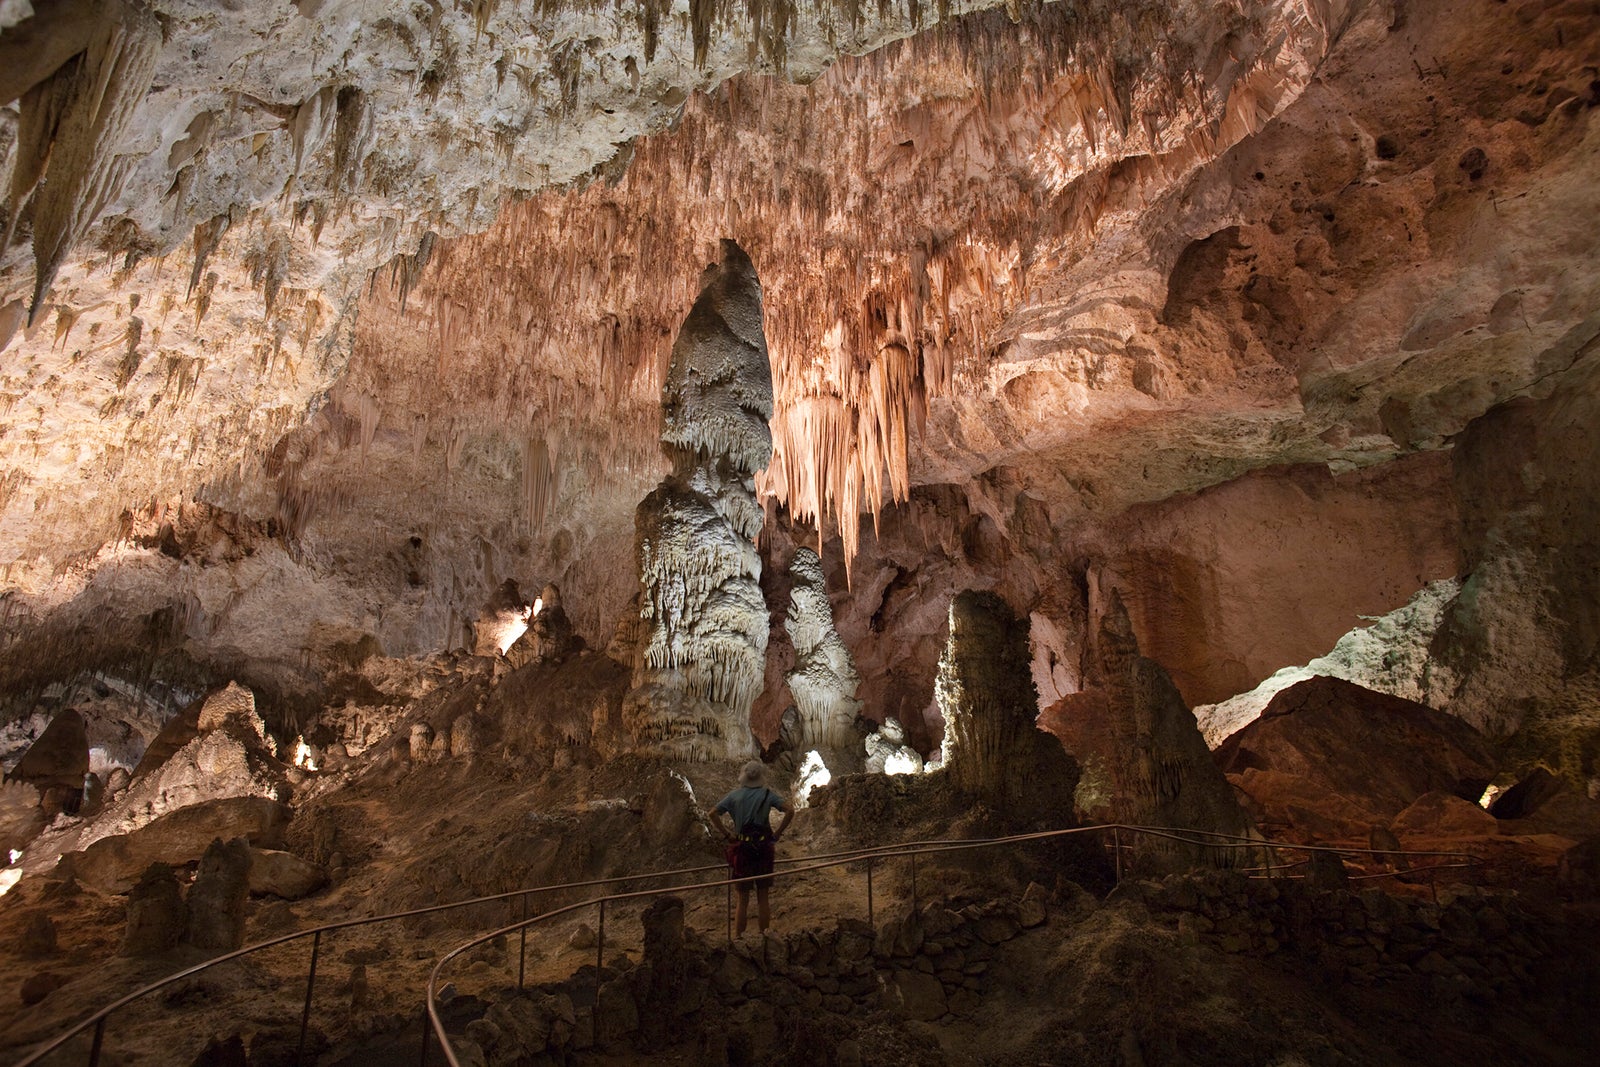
870	921
522	949
599	956
427	1031
311	982
1116	850
99	1040
728	912
915	904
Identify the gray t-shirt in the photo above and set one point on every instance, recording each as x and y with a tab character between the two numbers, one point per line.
751	804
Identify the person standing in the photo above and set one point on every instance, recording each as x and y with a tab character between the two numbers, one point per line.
752	842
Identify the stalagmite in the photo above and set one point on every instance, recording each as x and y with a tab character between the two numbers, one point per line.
824	678
1144	758
699	668
993	750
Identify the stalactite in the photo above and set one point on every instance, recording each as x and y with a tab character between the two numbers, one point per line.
92	101
1073	111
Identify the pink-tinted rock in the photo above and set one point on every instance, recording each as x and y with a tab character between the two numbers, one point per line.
1329	757
1443	815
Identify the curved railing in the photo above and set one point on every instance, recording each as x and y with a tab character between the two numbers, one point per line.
1199	838
98	1021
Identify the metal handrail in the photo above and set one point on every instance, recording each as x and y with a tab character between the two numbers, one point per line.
910	849
98	1019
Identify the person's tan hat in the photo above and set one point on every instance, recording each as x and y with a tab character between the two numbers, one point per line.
753	775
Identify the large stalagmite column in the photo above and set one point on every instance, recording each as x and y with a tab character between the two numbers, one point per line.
700	665
994	750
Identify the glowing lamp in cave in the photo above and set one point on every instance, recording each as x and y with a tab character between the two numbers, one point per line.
538	606
302	755
813	772
900	764
16	854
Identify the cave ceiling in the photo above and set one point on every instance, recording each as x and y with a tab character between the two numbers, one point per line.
391	286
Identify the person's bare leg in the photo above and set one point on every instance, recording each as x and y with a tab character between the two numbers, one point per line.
741	910
763	909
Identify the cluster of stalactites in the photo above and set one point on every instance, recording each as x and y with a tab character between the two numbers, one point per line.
824	679
1066	113
69	127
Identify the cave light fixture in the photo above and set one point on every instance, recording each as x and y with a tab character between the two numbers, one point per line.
302	755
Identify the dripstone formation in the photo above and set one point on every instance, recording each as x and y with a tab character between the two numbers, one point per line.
824	677
700	664
994	751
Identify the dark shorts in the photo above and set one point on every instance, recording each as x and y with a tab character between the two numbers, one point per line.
751	859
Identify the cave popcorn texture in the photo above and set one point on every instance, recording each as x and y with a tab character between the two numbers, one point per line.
700	666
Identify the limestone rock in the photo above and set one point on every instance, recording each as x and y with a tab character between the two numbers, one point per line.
233	707
157	915
994	752
114	863
39	985
56	763
888	752
1527	796
177	732
824	678
38	937
284	875
216	900
914	995
1132	728
549	635
21	817
1440	814
702	661
1351	758
228	763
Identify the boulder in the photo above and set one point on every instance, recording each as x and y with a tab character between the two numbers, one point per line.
1440	814
1328	757
217	898
913	994
156	913
56	763
283	874
114	864
177	732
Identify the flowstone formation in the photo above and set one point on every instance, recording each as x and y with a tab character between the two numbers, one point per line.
824	677
699	667
993	750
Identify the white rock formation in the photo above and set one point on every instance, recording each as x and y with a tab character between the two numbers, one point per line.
824	677
700	666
